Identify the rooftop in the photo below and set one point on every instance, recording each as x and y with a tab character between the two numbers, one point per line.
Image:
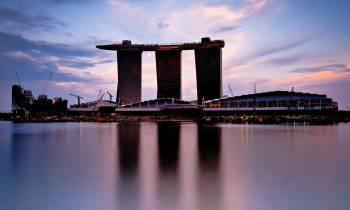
271	94
127	45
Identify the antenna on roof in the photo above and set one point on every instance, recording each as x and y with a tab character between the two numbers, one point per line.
254	102
254	88
17	76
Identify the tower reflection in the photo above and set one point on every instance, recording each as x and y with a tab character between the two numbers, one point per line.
129	140
168	145
168	152
148	166
128	150
209	140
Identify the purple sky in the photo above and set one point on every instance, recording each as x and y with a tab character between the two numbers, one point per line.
275	44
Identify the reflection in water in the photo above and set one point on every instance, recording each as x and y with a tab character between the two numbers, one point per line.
53	167
128	147
128	150
209	139
152	166
189	167
168	146
149	167
168	151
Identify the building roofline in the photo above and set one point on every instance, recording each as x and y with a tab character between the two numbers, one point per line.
270	93
126	45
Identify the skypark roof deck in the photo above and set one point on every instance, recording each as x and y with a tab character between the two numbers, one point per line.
127	45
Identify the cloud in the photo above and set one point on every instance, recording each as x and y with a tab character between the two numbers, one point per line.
287	60
307	79
198	20
13	42
91	41
182	22
223	29
163	24
35	59
179	22
188	22
272	49
19	20
284	81
69	1
76	69
332	67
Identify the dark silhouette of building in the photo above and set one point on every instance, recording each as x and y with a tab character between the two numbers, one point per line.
21	99
208	70
168	60
129	75
275	100
24	102
168	73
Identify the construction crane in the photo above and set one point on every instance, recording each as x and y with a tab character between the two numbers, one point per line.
78	98
47	83
99	94
110	96
230	89
98	100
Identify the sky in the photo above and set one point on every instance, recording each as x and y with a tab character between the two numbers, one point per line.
273	44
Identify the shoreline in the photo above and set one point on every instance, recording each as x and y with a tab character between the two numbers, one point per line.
340	117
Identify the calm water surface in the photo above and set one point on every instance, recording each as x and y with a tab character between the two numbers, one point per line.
95	166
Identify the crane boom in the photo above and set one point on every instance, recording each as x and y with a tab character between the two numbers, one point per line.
99	94
98	100
110	96
229	87
103	94
76	95
47	82
78	98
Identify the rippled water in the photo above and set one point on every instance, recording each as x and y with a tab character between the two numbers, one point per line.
173	166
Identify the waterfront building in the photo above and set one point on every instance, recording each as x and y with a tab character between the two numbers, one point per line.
275	100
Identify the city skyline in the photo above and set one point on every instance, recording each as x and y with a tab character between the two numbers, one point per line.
276	45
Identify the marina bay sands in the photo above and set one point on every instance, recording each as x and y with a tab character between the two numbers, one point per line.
208	59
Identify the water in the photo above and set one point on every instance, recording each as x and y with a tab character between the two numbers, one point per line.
173	166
